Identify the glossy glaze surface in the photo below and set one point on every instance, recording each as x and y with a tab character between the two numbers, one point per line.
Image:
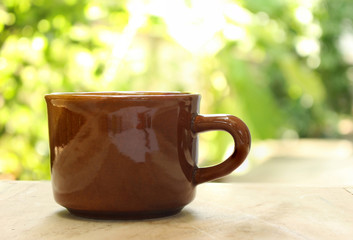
130	155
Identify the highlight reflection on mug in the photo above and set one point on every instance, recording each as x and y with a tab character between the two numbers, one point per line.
127	131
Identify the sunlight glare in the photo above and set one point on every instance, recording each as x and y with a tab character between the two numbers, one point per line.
307	46
3	63
38	43
193	27
303	15
219	82
237	14
84	59
233	32
94	12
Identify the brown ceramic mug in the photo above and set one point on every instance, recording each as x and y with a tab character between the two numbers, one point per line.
132	155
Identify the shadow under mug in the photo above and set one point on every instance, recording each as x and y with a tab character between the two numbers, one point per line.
132	155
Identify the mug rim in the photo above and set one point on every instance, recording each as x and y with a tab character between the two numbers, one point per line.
120	94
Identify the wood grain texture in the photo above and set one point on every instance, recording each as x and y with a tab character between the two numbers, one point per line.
220	211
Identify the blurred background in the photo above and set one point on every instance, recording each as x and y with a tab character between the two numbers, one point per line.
285	67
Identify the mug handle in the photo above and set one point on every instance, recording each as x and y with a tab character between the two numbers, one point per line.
242	141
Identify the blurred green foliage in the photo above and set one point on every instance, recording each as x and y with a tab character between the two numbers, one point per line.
284	67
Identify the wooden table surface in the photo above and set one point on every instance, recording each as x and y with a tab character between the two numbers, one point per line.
220	211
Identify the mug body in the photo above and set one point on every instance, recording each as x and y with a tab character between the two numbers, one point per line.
122	154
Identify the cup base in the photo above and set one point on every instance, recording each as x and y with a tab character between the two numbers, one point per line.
123	215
